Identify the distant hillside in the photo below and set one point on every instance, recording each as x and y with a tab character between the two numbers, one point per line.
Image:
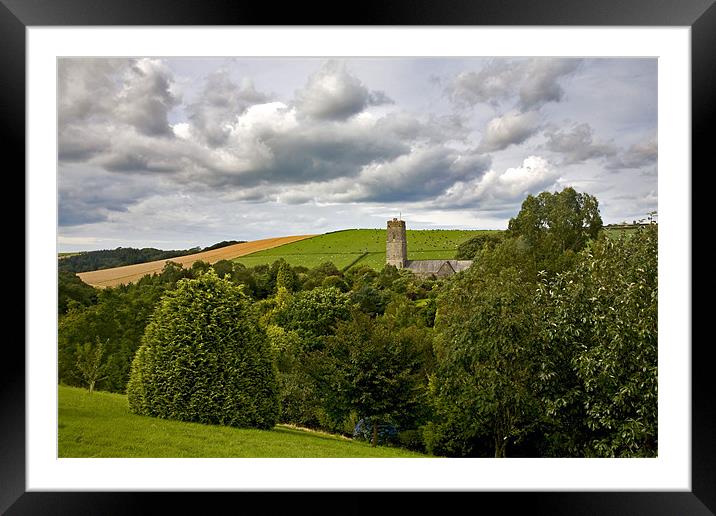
356	247
130	273
109	258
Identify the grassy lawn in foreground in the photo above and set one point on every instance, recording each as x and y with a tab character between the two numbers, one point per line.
342	248
100	425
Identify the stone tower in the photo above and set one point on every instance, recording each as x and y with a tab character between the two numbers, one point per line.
396	250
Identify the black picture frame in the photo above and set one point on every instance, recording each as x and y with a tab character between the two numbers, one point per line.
699	15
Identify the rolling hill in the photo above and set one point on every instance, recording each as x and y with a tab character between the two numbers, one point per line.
129	273
354	247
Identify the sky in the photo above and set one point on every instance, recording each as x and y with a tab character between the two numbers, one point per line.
175	153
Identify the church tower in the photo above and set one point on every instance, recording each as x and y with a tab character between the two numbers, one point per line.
396	250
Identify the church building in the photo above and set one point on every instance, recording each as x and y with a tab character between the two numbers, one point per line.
396	253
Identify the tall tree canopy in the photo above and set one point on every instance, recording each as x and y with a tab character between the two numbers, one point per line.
557	225
599	357
483	390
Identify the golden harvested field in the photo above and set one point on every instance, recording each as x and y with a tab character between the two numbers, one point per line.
130	273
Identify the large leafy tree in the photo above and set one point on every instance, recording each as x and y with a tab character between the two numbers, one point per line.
483	390
599	356
557	225
204	358
371	370
314	313
299	324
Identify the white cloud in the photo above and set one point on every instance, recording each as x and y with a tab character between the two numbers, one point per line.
495	190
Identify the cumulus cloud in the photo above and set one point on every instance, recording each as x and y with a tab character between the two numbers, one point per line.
87	88
509	129
333	93
496	190
219	104
146	97
577	144
419	175
533	81
100	99
541	83
422	174
130	145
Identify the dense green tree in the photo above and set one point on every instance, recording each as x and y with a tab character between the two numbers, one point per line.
173	272
599	356
368	369
317	276
118	320
224	268
360	276
335	282
199	267
72	291
468	249
556	226
298	326
369	299
286	278
484	385
204	358
314	313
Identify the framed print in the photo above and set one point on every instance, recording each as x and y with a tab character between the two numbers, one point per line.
128	106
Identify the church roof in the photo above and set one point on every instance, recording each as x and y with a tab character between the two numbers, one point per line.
433	266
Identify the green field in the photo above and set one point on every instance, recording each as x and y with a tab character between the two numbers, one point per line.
362	246
100	425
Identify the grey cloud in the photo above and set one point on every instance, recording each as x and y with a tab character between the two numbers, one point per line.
435	128
492	84
101	99
639	155
422	174
577	144
309	152
76	143
87	195
333	93
131	162
541	84
146	98
509	129
221	101
535	81
417	176
86	87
